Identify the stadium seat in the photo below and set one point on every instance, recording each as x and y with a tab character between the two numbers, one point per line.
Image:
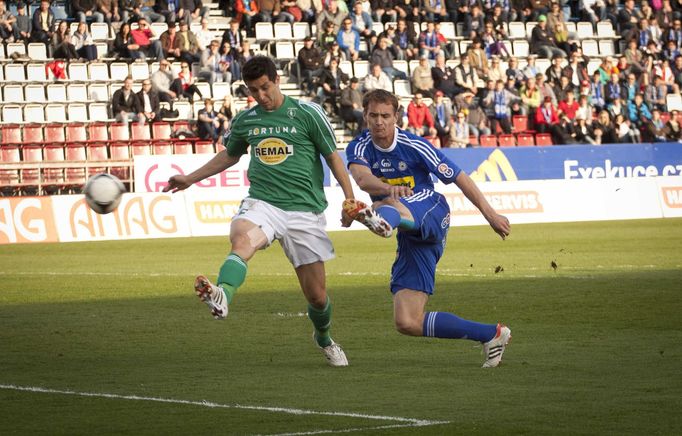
184	109
11	134
605	30
53	153
34	93
54	133
98	92
139	132
12	114
33	134
377	28
182	147
161	130
346	67
140	148
99	31
282	32
506	140
75	153
264	33
517	30
34	113
530	25
525	139
219	147
519	123
361	68
590	48
488	141
204	147
15	73
76	132
97	72
139	70
606	47
37	51
78	71
120	151
205	89
98	112
31	154
447	29
584	30
119	71
13	93
15	47
119	132
36	72
284	50
399	65
673	102
77	92
220	90
9	154
520	48
55	113
97	152
77	112
56	92
102	49
543	139
301	30
402	88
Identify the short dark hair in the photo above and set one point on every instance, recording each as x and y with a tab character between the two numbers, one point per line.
380	96
259	66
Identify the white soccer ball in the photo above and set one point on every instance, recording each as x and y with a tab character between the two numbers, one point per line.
103	192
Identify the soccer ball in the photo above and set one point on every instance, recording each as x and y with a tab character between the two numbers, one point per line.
103	192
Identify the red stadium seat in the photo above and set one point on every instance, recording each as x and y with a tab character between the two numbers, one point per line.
31	153
183	148
11	134
120	151
97	152
54	133
98	132
140	148
75	153
54	153
119	132
488	141
76	132
204	147
506	140
525	139
519	123
9	154
161	130
140	132
543	139
162	148
180	125
33	134
473	140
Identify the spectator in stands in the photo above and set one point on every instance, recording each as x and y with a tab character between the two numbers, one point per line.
435	10
309	64
639	113
542	42
124	44
604	129
42	23
492	41
473	22
309	10
109	10
441	112
245	53
628	17
169	9
234	37
362	21
271	10
522	10
561	38
420	121
514	72
384	57
478	59
564	88
531	70
184	86
212	69
169	41
204	35
334	52
546	90
634	56
673	127
495	71
125	105
149	102
146	46
350	105
501	15
247	14
332	80
22	26
405	41
466	77
444	77
616	108
479	124
162	79
377	79
229	59
422	81
670	52
383	11
663	70
130	10
613	89
624	131
82	42
547	120
327	36
86	10
673	33
500	101
555	71
430	42
530	97
568	106
606	69
576	70
61	47
630	88
555	16
188	44
459	132
225	114
349	40
655	94
208	122
331	14
597	95
582	132
409	10
585	110
192	10
7	21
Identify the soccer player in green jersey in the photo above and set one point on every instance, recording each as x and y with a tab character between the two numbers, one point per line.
286	198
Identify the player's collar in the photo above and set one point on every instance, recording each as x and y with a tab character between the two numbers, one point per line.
392	147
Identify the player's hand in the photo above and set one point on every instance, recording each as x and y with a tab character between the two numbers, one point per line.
500	224
396	191
177	183
346	220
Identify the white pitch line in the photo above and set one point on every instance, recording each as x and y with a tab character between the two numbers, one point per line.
405	422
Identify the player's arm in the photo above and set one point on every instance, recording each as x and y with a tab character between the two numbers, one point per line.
338	169
220	162
498	222
374	186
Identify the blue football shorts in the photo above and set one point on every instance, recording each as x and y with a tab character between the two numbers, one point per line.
420	249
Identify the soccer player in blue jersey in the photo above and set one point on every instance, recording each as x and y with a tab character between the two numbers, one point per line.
394	167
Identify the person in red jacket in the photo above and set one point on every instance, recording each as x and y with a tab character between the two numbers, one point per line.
246	11
547	120
419	119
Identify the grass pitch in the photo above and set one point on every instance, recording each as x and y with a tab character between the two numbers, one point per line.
597	340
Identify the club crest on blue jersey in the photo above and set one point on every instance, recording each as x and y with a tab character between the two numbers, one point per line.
445	170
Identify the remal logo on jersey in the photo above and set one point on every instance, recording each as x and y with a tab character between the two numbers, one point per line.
272	151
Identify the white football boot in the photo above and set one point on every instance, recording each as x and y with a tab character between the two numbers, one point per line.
494	348
365	215
212	295
333	353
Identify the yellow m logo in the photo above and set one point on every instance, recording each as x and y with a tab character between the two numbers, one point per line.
493	168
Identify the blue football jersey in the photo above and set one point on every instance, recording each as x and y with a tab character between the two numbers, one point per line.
410	161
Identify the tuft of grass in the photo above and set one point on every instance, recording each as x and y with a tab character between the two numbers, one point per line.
594	309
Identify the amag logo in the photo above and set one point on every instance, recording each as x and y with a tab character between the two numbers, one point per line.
494	169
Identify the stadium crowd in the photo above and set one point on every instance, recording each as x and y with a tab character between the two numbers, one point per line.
456	96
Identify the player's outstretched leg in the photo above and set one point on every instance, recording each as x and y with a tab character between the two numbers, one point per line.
494	348
333	353
212	295
321	319
365	215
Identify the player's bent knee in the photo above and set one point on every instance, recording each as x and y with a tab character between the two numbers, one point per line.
408	326
319	300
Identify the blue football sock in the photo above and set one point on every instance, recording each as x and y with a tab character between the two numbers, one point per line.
447	325
390	214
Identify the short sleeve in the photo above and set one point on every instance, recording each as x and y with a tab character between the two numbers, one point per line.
320	129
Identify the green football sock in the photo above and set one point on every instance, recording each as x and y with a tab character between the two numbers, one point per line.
322	320
231	275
